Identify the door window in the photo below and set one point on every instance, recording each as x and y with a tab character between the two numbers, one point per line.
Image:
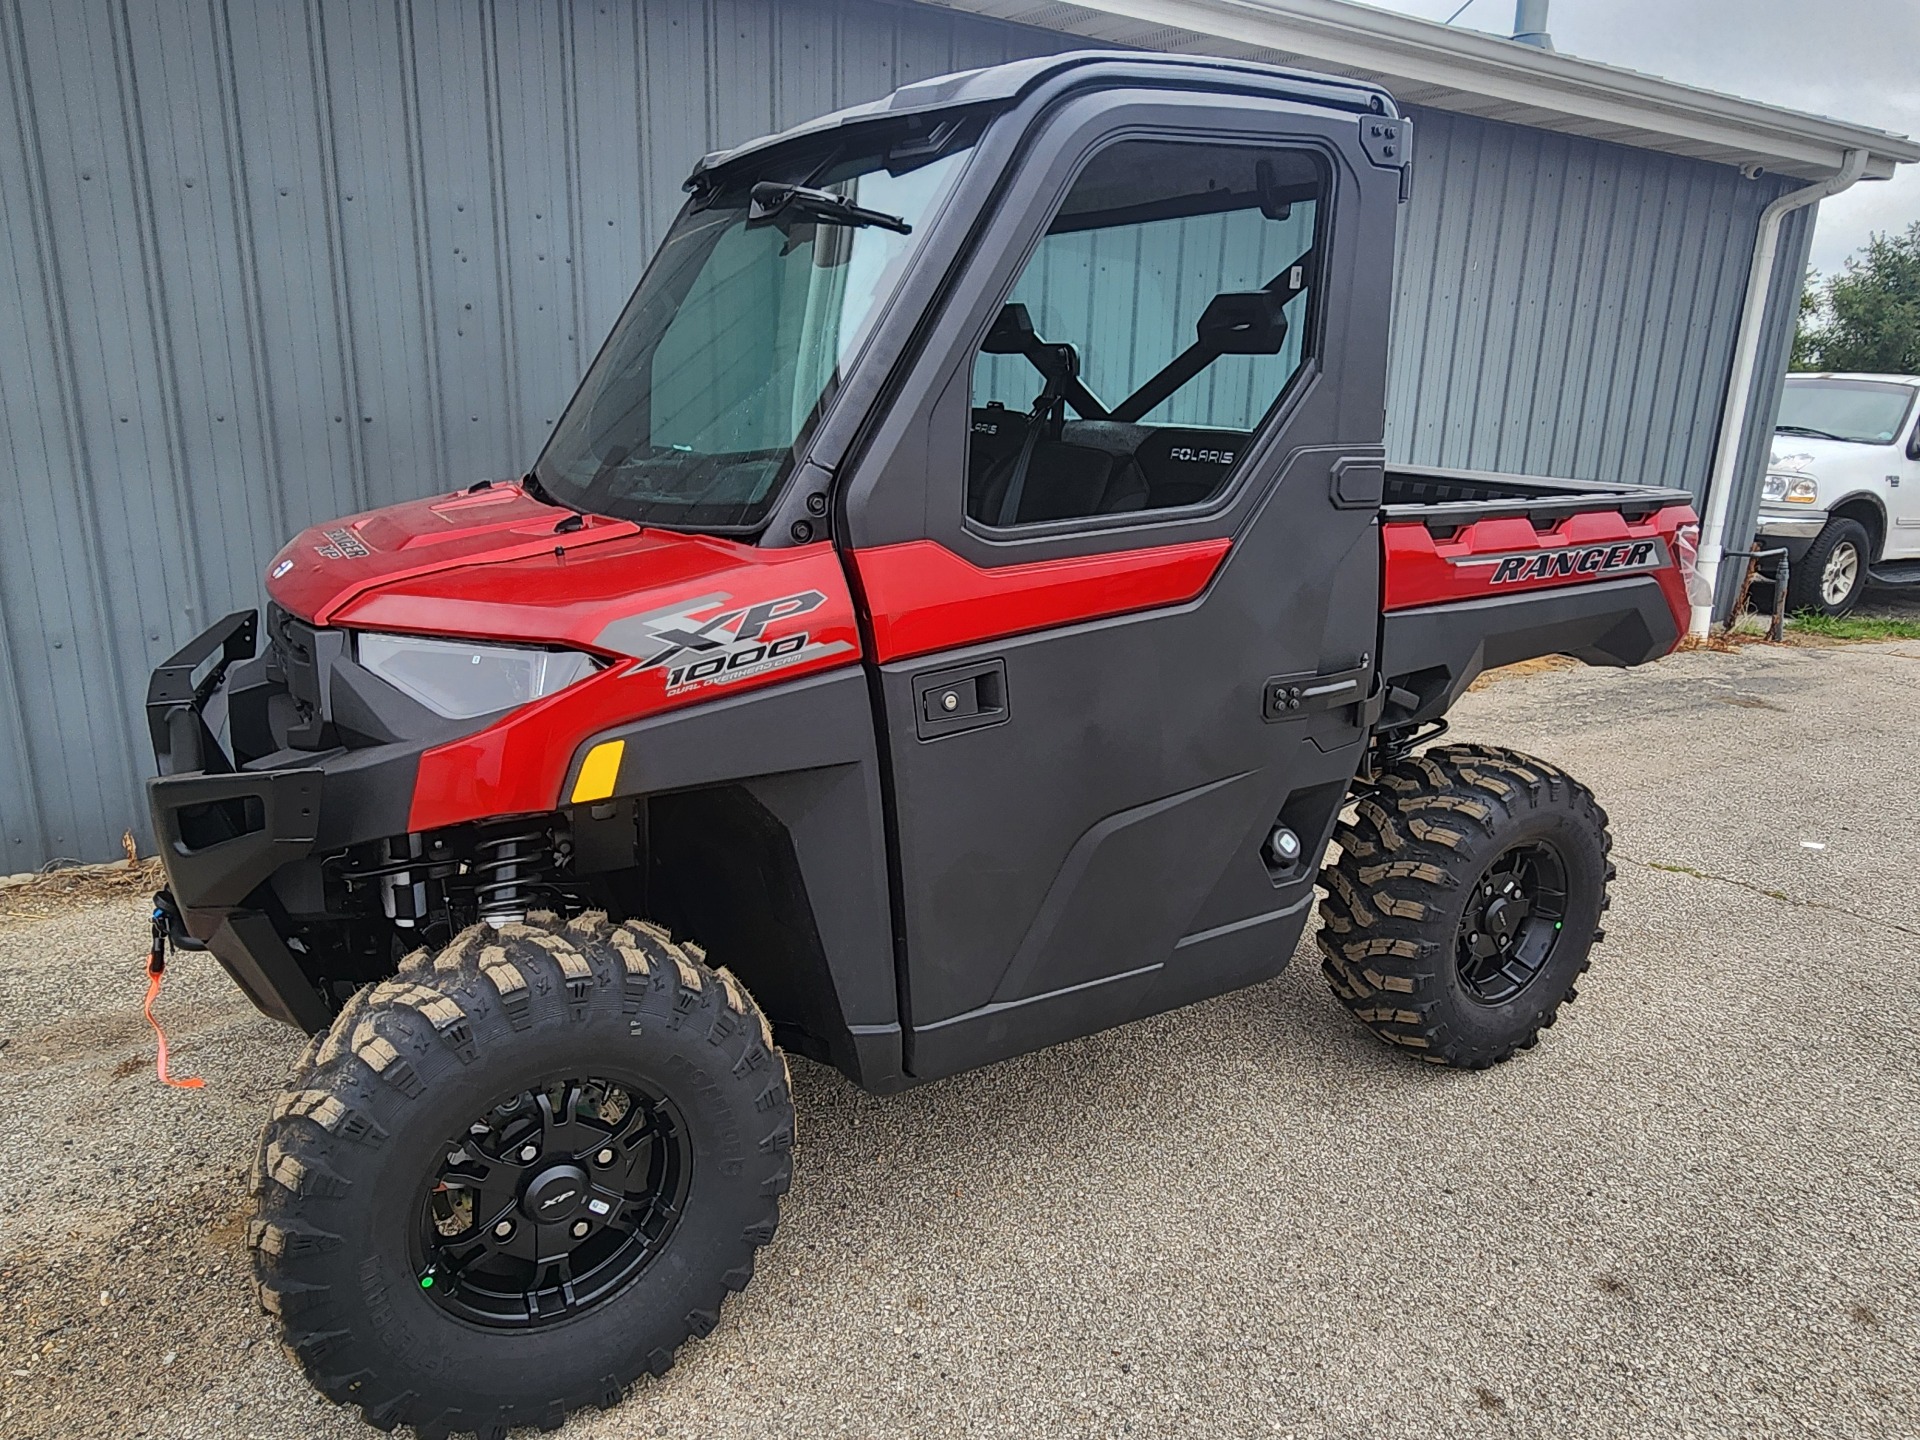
1164	313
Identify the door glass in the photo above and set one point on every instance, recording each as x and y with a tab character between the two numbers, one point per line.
1162	316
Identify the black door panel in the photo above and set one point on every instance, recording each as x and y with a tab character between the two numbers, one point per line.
1123	807
1098	850
1127	887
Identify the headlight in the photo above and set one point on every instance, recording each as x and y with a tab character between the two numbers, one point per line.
461	678
1799	489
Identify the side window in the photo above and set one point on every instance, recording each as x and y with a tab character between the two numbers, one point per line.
1162	316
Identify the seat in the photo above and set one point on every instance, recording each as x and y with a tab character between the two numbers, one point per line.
1089	470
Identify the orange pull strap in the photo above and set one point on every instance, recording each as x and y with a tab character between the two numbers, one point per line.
156	971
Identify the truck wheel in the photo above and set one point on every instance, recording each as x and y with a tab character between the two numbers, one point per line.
1829	580
520	1173
1465	902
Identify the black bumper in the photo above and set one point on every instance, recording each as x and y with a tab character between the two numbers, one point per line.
220	838
222	833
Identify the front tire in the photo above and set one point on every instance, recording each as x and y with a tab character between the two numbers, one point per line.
1465	903
519	1174
1829	581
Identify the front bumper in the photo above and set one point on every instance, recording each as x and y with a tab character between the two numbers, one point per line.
241	832
1791	530
223	832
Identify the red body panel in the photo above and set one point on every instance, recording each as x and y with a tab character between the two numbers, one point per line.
325	569
1507	555
569	599
491	565
922	597
704	588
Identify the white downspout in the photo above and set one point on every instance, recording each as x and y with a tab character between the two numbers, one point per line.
1746	346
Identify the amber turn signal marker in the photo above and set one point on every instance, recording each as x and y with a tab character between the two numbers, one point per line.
599	772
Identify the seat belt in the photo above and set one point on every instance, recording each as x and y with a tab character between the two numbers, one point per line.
1048	411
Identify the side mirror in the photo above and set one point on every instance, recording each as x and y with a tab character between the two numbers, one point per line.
1244	322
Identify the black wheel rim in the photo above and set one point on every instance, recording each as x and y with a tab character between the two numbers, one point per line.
552	1202
1513	922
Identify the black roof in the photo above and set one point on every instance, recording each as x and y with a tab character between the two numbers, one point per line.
1002	84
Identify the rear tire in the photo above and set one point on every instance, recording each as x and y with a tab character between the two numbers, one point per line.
1465	902
519	1174
1830	579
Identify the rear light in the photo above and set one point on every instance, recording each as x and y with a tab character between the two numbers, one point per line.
1686	551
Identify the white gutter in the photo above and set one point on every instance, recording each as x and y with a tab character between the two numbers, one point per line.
1746	347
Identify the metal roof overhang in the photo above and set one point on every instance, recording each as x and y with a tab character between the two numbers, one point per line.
1423	63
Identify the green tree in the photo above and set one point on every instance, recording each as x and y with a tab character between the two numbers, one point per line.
1805	336
1867	318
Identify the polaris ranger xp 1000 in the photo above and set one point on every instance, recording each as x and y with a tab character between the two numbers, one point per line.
954	614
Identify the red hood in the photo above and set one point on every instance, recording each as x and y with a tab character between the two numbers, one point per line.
489	565
682	618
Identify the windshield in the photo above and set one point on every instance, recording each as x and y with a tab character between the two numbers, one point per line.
703	396
1866	411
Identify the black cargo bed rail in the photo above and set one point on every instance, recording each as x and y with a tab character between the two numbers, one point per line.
1441	498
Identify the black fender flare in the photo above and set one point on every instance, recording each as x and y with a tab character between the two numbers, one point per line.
804	753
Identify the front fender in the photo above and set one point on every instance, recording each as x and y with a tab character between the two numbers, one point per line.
766	824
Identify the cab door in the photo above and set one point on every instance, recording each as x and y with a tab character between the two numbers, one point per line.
1116	543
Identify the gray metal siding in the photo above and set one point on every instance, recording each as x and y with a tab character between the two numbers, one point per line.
267	263
1565	306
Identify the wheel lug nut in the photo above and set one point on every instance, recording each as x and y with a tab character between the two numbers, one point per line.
503	1229
605	1157
580	1228
529	1152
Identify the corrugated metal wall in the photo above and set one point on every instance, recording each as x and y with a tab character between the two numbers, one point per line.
269	261
1566	306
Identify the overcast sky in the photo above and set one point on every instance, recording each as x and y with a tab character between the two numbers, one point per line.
1856	60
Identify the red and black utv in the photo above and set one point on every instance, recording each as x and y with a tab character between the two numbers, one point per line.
954	614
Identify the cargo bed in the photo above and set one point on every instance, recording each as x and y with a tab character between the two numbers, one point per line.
1482	569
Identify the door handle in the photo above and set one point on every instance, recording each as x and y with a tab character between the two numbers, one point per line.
1293	697
968	697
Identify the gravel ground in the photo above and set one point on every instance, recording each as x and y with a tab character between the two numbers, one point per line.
1690	1211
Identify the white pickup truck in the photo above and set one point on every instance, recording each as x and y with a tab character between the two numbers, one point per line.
1842	492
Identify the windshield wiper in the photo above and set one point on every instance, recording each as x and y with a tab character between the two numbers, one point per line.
770	198
1816	434
530	483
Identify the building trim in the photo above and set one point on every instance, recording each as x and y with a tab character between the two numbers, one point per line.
1474	73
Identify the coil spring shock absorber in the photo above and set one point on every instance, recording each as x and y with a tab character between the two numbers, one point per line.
509	872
